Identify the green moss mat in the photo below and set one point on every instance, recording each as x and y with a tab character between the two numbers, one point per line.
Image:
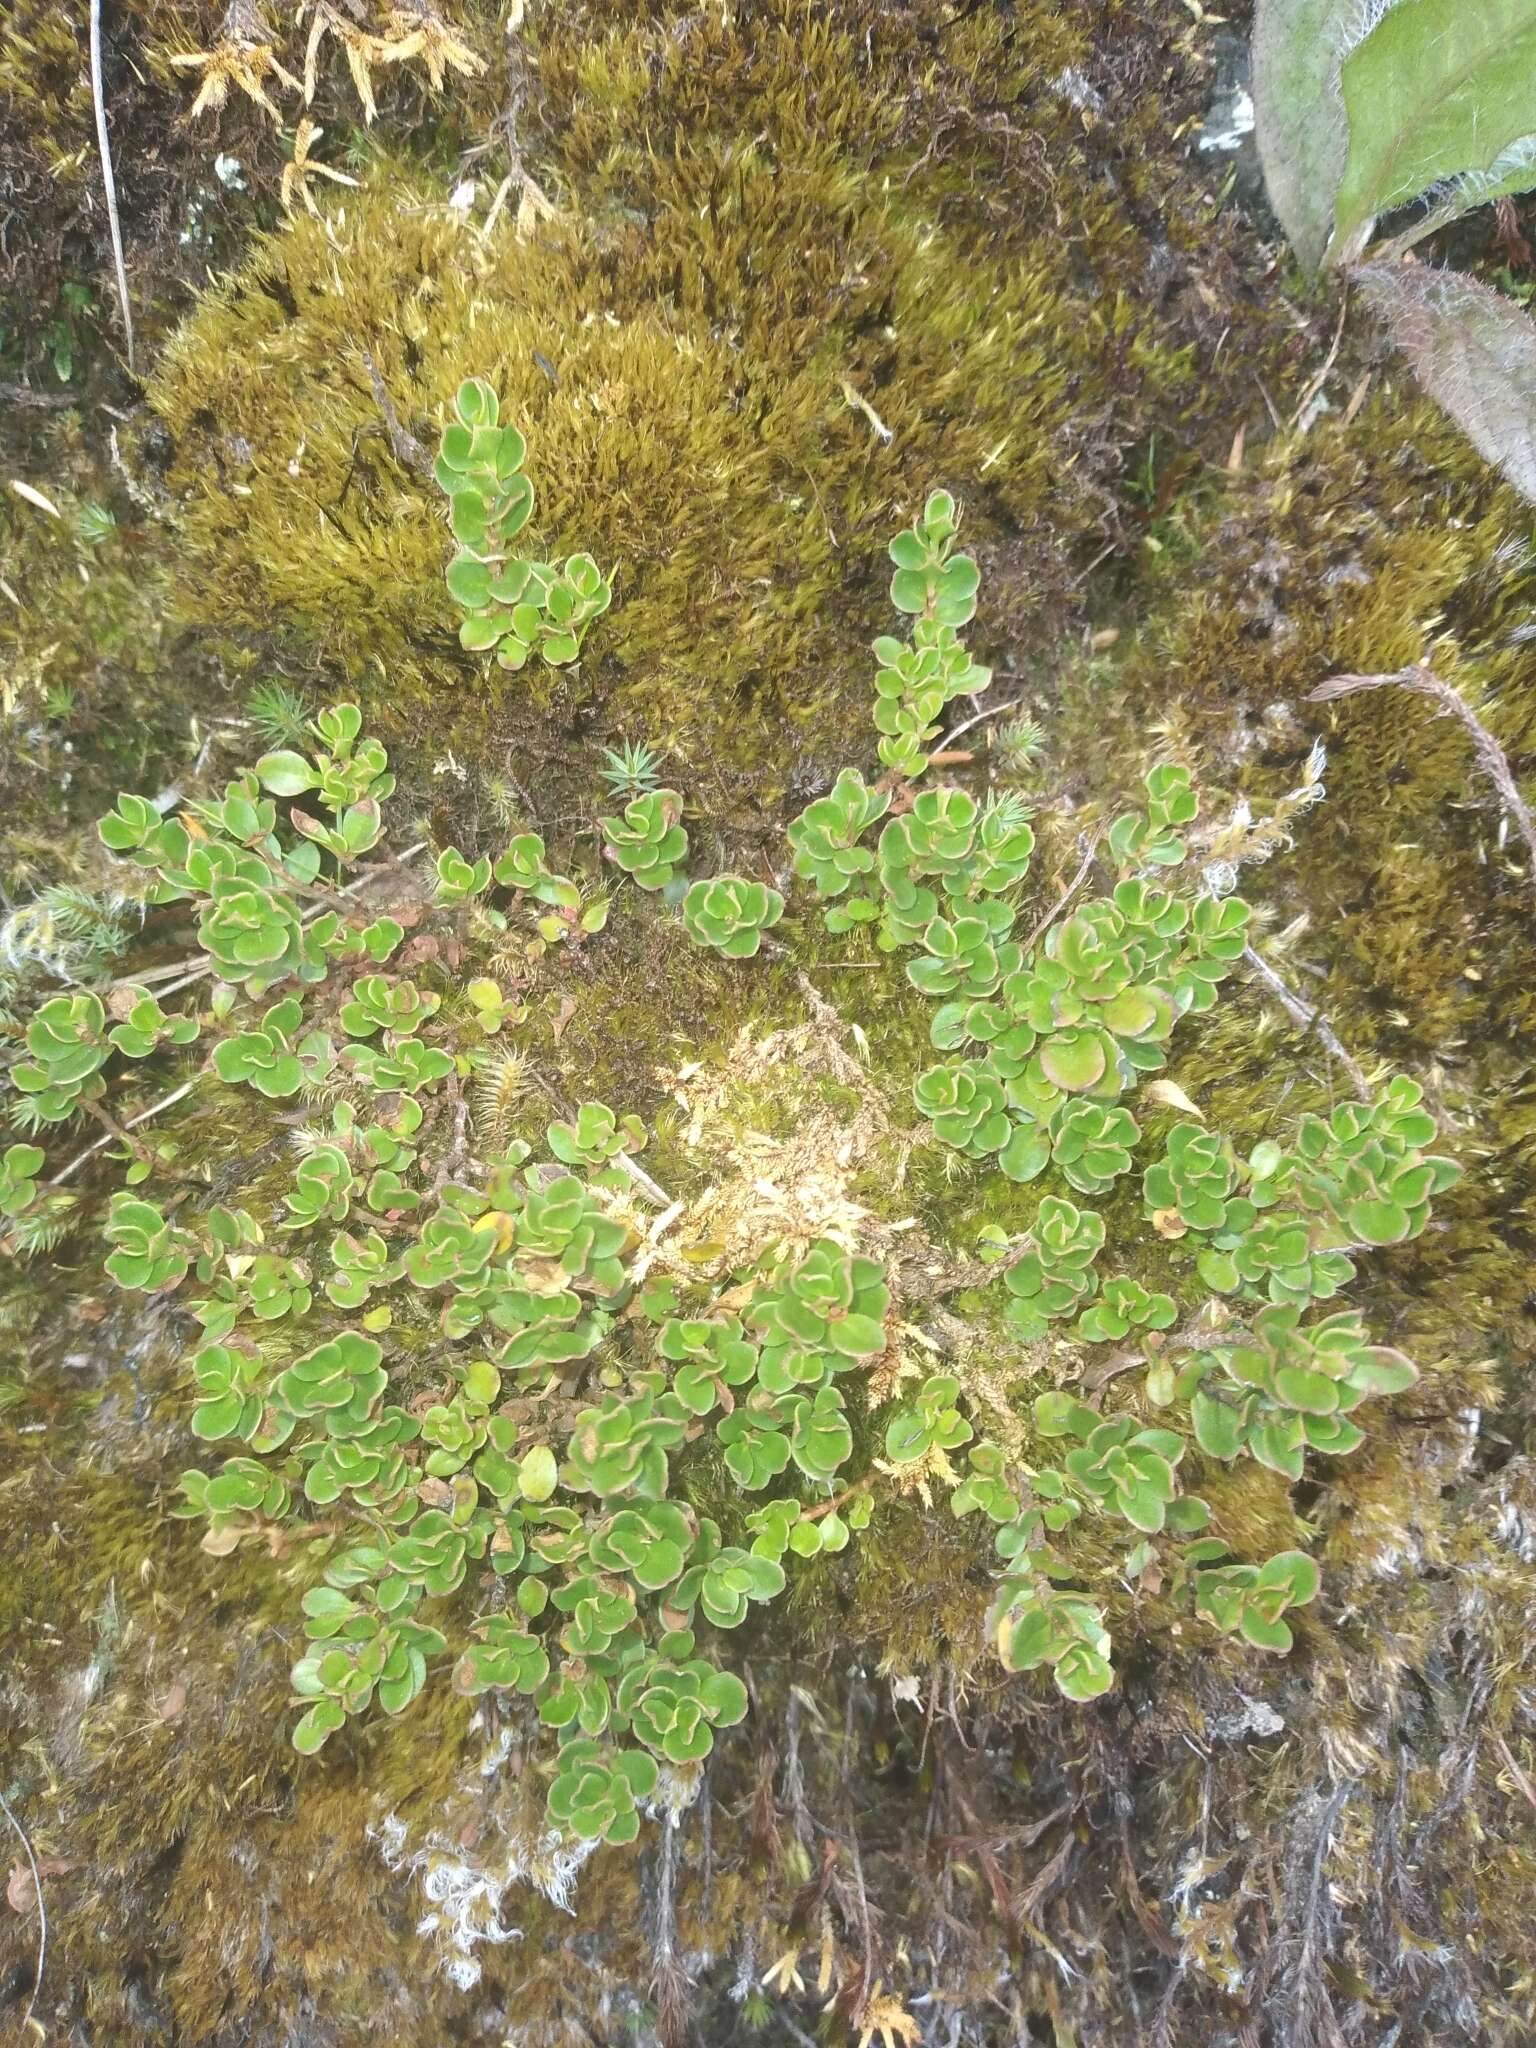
782	292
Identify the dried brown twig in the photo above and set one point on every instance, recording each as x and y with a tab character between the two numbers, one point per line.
1310	1018
409	451
1492	758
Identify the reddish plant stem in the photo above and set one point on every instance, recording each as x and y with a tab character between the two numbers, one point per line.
838	1500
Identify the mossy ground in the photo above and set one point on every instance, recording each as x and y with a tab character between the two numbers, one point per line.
988	226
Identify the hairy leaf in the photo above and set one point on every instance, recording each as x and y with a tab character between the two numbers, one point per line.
1438	89
1473	351
1299	114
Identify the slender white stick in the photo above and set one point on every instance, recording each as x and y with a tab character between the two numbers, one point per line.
109	183
42	1913
986	711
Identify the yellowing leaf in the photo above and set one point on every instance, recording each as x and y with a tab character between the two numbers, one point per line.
887	2021
501	1226
1171	1096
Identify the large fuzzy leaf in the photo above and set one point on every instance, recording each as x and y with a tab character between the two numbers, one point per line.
1512	170
1298	114
1438	90
1473	350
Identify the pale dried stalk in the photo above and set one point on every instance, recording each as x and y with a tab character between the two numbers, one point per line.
109	183
1492	759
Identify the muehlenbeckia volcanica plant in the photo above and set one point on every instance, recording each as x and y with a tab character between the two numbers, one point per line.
513	606
67	1045
916	681
648	841
19	1168
730	913
434	1357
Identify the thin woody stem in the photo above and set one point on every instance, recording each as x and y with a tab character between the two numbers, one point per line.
1064	898
195	968
143	1117
114	1129
195	971
1310	1018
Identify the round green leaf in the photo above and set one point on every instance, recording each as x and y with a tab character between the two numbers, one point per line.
286	773
1379	1222
1076	1060
322	1720
469	582
476	403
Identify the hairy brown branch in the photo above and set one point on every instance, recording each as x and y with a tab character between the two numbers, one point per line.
1492	759
669	1977
143	1117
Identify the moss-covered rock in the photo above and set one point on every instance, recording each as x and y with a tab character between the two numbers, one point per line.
983	226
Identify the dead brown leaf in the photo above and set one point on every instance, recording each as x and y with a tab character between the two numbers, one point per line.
20	1888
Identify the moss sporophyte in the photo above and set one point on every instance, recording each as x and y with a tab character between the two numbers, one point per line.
444	1359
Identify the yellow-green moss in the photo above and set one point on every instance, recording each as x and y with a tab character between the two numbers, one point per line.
756	206
761	234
